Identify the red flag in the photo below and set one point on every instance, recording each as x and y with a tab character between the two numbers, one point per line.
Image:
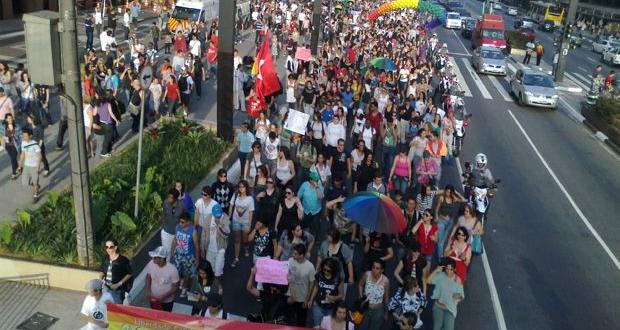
212	51
267	81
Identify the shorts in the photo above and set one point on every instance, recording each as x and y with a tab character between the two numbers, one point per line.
186	264
30	176
240	226
185	99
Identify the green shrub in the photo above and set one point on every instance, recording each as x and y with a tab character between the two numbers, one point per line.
516	39
175	151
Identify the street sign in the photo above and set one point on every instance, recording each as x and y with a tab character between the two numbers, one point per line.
146	76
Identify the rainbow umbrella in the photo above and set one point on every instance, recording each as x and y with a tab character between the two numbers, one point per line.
383	63
376	212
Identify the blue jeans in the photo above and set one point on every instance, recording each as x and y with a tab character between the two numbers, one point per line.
442	319
388	157
318	313
401	183
443	230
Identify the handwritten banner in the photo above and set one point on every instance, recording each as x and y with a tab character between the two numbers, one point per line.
271	271
297	121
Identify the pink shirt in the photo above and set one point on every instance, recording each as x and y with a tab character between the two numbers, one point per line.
7	105
162	279
429	166
326	323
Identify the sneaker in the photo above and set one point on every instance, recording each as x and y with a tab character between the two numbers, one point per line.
105	155
234	263
46	173
183	293
59	148
35	197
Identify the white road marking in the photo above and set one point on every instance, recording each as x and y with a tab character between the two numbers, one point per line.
583	78
459	54
483	90
459	75
591	59
570	199
582	69
576	81
497	306
511	67
501	89
461	42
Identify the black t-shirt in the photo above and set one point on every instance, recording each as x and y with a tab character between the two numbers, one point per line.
339	163
262	243
268	207
198	70
378	247
334	192
405	114
135	98
326	287
308	95
413	269
117	269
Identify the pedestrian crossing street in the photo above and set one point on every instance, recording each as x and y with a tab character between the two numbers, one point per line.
490	87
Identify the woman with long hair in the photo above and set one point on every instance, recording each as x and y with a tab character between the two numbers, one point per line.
203	286
365	173
339	319
11	141
39	137
290	211
255	159
460	251
242	210
89	113
324	297
290	237
321	168
285	169
375	286
469	221
401	172
447	206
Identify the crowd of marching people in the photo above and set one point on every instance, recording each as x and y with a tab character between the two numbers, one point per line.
382	130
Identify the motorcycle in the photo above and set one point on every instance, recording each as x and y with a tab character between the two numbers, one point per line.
478	195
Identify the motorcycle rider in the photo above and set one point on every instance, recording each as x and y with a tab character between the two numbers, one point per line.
478	176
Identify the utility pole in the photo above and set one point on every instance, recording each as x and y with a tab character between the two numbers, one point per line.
316	27
80	183
565	41
225	69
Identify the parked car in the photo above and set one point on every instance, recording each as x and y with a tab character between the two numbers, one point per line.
490	60
467	27
611	56
497	6
601	45
512	11
529	33
453	20
524	22
547	26
534	88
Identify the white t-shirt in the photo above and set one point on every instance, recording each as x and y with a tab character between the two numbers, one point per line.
243	207
204	209
97	309
194	47
162	279
367	134
31	152
333	133
271	148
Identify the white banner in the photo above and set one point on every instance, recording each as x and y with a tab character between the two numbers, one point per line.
297	121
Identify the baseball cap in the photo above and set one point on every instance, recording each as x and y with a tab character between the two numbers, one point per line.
159	252
314	176
94	285
216	210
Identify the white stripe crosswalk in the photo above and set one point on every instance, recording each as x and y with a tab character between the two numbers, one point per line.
575	80
501	89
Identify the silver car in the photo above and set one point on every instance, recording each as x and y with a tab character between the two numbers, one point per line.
488	59
534	88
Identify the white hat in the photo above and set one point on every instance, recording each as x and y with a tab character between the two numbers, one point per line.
159	252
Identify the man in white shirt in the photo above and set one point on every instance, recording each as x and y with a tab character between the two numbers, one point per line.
94	307
30	162
106	39
195	46
162	280
335	131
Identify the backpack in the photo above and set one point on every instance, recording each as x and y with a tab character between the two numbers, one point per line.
183	83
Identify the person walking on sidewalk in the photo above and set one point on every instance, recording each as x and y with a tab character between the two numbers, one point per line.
38	136
126	23
539	52
98	15
30	162
94	308
529	49
154	33
89	27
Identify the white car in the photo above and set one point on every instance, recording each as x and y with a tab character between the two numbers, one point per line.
611	56
497	6
600	46
453	20
512	11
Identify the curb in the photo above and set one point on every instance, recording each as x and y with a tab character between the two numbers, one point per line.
601	136
569	89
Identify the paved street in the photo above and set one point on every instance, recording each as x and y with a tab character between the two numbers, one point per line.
549	271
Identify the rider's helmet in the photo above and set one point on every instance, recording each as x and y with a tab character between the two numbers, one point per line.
481	161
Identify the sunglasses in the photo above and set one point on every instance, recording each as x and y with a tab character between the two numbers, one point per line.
223	175
110	246
460	234
270	182
289	192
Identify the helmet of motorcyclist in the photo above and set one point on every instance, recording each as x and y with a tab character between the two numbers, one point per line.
481	161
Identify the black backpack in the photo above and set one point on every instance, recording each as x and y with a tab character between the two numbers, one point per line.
182	84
